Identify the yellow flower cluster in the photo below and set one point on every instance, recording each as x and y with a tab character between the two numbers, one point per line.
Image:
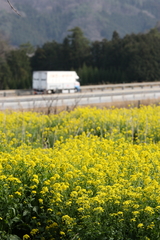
135	125
91	178
88	174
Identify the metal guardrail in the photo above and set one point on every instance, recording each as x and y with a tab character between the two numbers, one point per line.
16	92
91	88
56	97
121	86
77	98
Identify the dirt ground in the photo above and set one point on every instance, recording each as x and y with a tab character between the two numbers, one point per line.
121	104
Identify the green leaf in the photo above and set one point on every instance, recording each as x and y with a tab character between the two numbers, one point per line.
14	237
25	213
14	211
35	208
15	219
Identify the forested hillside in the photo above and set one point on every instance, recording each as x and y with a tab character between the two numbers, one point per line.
47	20
133	58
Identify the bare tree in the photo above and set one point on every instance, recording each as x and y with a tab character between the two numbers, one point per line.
14	9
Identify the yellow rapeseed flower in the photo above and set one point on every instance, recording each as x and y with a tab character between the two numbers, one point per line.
34	232
140	225
26	236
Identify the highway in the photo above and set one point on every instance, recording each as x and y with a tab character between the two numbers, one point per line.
83	98
88	88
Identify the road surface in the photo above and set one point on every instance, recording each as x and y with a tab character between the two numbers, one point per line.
72	99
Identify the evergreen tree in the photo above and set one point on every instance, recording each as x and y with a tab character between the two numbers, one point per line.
115	36
19	65
66	53
28	48
79	48
5	76
38	61
96	54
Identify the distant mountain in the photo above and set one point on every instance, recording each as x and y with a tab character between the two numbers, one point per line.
47	20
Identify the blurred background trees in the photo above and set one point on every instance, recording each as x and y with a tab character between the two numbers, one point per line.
133	58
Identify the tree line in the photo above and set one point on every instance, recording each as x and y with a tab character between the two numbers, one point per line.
133	58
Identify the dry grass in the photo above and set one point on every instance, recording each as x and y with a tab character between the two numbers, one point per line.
128	104
120	104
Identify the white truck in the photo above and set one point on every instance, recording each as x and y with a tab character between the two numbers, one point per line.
55	82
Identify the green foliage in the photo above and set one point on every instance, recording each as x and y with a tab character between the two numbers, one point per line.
93	181
19	66
15	70
5	76
79	47
134	58
49	57
28	48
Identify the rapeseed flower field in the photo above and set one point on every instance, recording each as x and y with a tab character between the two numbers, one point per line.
89	174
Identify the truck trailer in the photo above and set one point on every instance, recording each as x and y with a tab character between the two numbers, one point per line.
55	82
